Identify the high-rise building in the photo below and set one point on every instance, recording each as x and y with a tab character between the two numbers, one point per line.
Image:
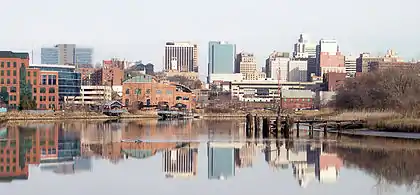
221	58
350	64
245	62
66	54
181	162
276	66
298	70
221	160
304	48
184	55
329	58
362	63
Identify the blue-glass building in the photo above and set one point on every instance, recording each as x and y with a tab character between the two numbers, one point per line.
221	57
66	54
69	81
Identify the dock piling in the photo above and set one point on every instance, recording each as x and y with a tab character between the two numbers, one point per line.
297	129
248	125
266	128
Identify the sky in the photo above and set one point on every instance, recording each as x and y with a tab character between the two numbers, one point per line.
138	29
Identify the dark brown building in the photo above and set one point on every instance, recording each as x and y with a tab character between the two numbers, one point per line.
333	80
375	66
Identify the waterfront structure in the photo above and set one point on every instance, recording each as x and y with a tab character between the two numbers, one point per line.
276	66
265	90
221	58
92	95
181	162
297	70
69	81
304	49
67	54
181	56
45	87
145	90
329	57
11	64
350	64
362	63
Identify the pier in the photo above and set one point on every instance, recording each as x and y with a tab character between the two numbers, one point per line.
282	126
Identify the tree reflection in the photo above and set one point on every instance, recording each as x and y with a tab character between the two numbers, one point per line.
389	166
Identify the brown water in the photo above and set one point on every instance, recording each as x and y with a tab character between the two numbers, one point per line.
196	157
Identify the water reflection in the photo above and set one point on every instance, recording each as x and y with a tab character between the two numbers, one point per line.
72	148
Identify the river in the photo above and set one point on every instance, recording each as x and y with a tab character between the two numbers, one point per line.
196	157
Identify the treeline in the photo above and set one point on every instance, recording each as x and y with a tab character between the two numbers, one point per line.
396	89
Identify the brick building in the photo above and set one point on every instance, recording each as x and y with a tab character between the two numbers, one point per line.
334	80
297	99
147	91
45	88
91	76
380	65
10	66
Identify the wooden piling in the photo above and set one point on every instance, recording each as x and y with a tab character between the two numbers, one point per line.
278	126
257	127
311	129
339	129
297	129
325	129
286	128
248	125
266	128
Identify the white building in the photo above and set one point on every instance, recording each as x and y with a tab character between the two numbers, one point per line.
226	77
277	66
185	54
297	71
92	95
350	64
304	48
329	46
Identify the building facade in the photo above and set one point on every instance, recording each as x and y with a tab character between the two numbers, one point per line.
181	56
144	90
329	58
92	95
303	48
221	58
297	70
276	66
350	64
66	54
297	99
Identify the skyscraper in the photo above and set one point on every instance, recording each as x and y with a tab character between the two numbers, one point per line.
66	54
221	58
181	55
329	57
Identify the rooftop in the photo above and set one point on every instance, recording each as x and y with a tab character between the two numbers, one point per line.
10	54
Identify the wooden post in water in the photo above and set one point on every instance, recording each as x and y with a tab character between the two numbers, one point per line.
257	126
248	125
339	128
297	129
325	129
311	129
278	126
286	129
266	128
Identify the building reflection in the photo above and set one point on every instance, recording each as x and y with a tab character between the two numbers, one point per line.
181	161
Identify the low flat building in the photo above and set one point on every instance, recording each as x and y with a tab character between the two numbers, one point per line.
297	99
92	95
378	65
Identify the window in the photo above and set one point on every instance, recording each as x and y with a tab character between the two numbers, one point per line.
42	90
51	79
2	81
34	80
34	90
8	81
8	72
44	80
127	101
148	91
127	91
29	74
14	81
2	64
1	168
8	64
51	90
138	91
2	73
34	74
14	72
169	92
14	64
13	89
158	91
178	98
22	64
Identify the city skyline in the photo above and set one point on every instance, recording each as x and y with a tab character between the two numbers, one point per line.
353	29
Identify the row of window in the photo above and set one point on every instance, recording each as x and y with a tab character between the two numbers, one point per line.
8	81
44	90
297	100
12	98
12	144
44	98
8	72
44	106
50	151
7	160
8	64
7	169
29	74
137	91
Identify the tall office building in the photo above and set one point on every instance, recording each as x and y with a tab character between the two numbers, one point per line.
304	48
221	58
221	160
350	64
66	54
276	66
181	56
329	57
245	63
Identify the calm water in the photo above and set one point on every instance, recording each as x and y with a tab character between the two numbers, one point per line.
196	157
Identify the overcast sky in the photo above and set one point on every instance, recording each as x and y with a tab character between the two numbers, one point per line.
138	29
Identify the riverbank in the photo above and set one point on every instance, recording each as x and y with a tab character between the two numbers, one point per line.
387	121
23	116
